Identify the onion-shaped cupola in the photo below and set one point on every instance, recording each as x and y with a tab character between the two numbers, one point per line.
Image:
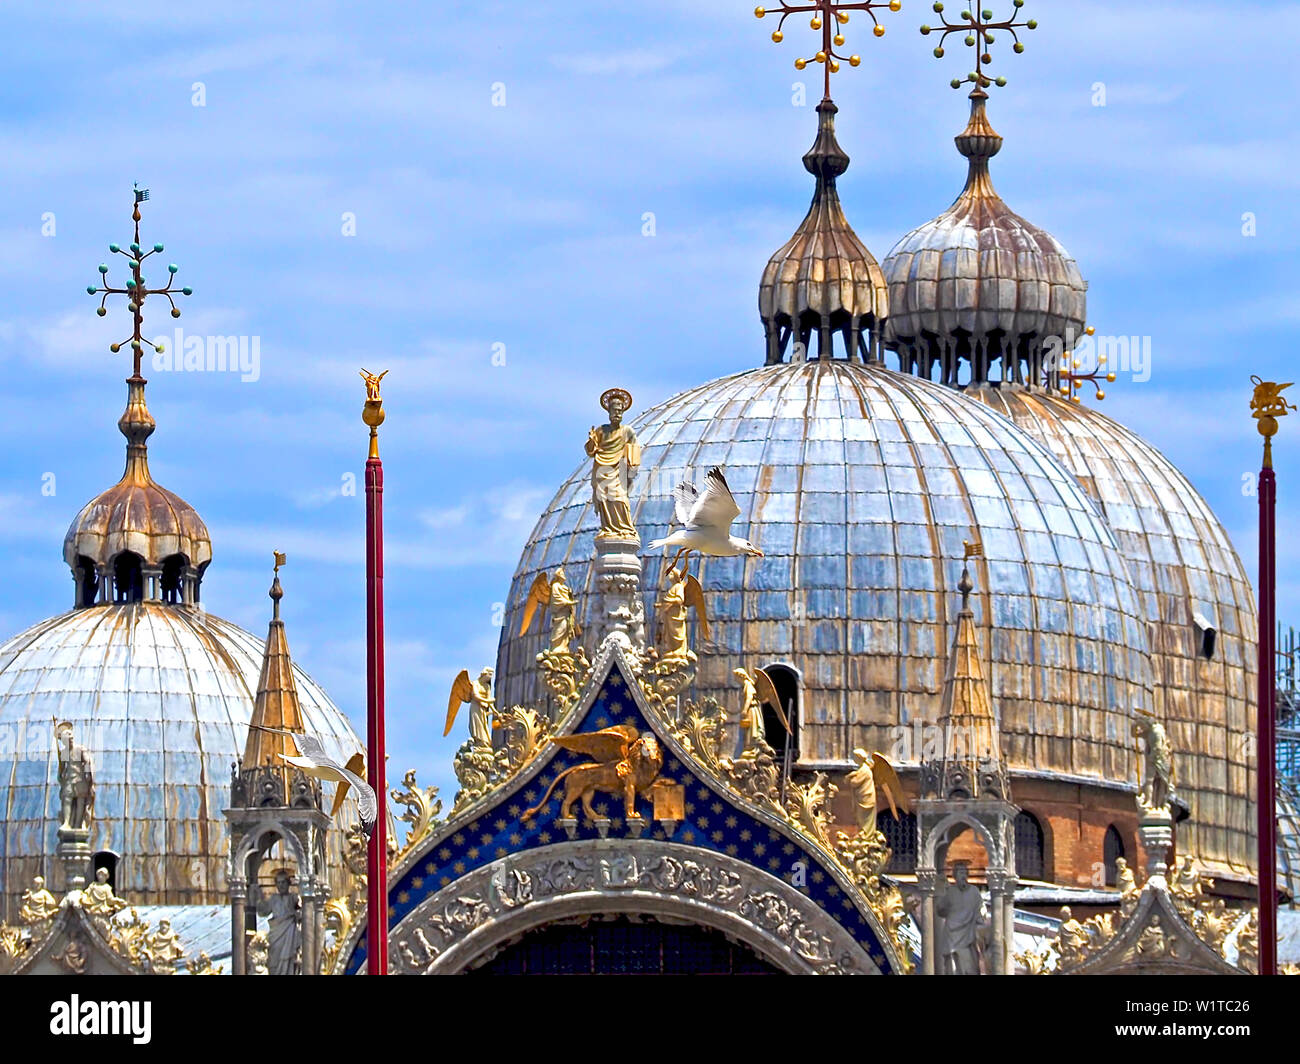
823	281
980	285
137	541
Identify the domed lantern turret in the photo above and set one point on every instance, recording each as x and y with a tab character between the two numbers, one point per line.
980	285
137	541
823	280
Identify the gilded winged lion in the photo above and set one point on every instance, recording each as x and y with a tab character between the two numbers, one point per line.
626	764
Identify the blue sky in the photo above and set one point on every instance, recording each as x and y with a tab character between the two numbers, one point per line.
521	225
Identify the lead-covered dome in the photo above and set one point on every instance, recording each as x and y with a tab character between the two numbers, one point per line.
161	696
860	485
979	284
1197	601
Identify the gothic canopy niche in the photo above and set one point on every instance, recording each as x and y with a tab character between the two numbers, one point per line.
489	875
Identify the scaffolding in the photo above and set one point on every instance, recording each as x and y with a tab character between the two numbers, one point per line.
1288	761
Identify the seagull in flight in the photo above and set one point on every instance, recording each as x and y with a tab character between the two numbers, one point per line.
707	517
314	761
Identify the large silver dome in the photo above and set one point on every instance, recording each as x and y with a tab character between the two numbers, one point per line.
161	696
860	485
1198	604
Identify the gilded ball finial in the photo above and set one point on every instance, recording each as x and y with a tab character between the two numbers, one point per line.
1267	405
827	17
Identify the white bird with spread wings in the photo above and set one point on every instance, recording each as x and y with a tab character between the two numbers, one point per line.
707	517
314	761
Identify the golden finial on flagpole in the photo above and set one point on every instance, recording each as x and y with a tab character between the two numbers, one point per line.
1267	405
373	412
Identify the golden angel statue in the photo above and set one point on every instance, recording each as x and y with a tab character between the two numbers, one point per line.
483	707
758	691
616	454
372	384
556	595
680	591
873	776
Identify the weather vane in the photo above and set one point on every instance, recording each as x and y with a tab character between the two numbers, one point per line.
981	29
137	289
830	17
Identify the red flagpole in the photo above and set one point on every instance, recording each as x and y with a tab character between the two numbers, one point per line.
377	879
1266	754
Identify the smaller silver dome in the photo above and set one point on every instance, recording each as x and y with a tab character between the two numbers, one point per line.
979	283
137	540
823	280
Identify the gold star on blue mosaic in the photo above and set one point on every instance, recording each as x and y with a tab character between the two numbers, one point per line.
544	837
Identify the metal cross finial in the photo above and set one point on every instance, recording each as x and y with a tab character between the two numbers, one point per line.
981	29
829	16
1069	381
136	289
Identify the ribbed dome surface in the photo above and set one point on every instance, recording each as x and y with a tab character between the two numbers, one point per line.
860	485
823	278
1182	564
136	514
979	282
161	696
143	518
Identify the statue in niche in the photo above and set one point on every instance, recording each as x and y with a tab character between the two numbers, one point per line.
960	908
284	934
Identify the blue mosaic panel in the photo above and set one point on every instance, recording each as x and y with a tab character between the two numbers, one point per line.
715	820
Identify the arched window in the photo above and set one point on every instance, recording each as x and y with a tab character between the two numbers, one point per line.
128	577
1031	858
107	859
900	834
1112	848
171	577
786	682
